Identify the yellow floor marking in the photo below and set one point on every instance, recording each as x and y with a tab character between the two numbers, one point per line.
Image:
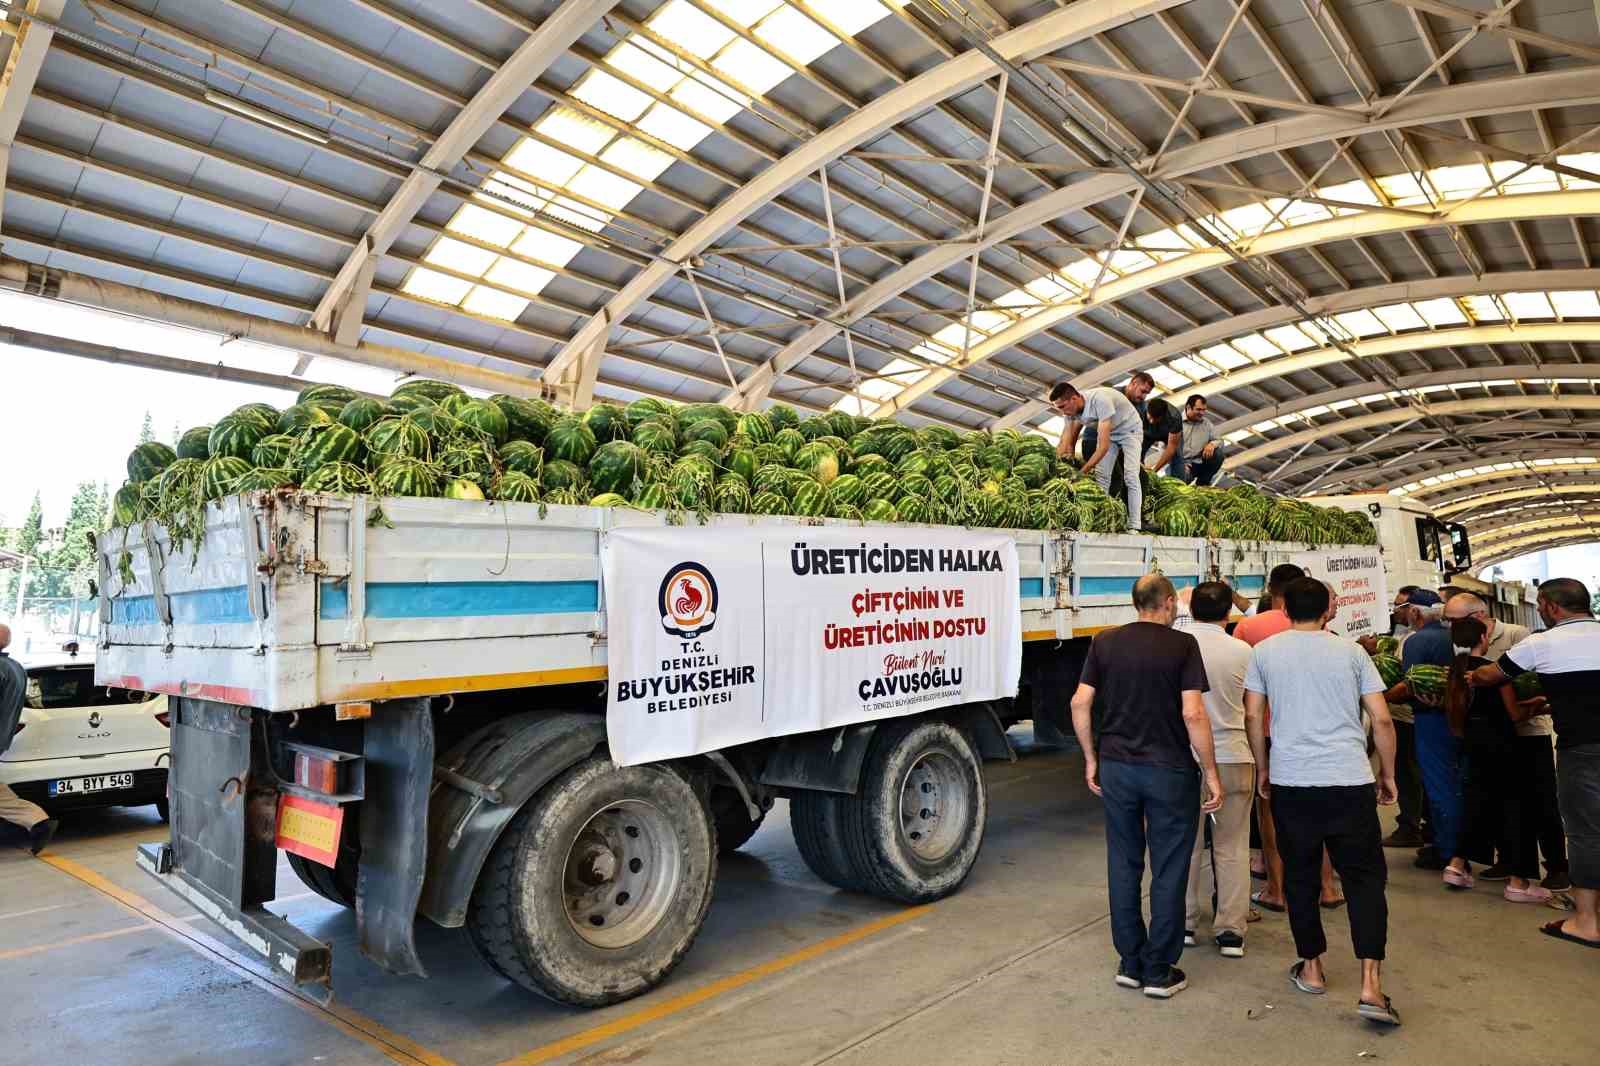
389	1043
17	953
678	1004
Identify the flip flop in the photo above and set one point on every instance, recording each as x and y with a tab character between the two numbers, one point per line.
1309	989
1332	905
1382	1013
1553	929
1265	904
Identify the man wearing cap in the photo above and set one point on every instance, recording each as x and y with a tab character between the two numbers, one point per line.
1438	749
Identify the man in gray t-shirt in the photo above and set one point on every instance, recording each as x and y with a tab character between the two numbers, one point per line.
1320	784
1120	433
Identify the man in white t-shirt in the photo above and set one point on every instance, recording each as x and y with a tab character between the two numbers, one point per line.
1226	660
1320	784
1120	432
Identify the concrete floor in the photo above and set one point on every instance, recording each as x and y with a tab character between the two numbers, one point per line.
101	965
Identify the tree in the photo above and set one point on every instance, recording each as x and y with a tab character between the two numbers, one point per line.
26	540
177	432
147	431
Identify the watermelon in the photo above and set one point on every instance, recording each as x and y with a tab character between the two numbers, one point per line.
692	413
148	460
917	488
363	411
846	489
707	429
847	511
810	499
436	391
565	497
127	506
756	426
560	474
732	495
741	461
455	403
264	413
221	475
321	445
461	489
878	486
818	460
396	437
523	458
782	417
1033	469
515	486
1389	669
1527	685
527	420
607	422
617	467
771	478
326	393
571	440
267	478
403	475
473	460
655	498
690	482
768	503
656	436
404	405
484	417
233	436
337	478
914	509
704	449
293	419
179	480
790	441
645	409
870	463
814	427
1388	646
435	421
880	511
195	443
1427	681
608	499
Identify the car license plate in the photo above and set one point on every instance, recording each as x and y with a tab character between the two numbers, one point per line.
82	786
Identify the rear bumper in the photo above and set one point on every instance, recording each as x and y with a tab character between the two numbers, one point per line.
31	780
300	958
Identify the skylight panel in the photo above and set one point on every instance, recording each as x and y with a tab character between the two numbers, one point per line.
1484	309
1054	426
1302	212
1402	190
895	376
1223	356
575	130
576	214
852	405
1576	304
1238	435
1262	427
647	68
511	193
1083	272
1247	219
989	321
718	104
671	126
483	300
1289	338
1536	179
1459	182
1169	380
690	29
611	95
540	160
1589	161
604	187
1355	192
1440	312
1315	412
851	16
484	225
1526	305
1126	261
1253	345
954	335
933	353
459	256
796	35
750	66
744	12
1047	290
637	158
1015	298
1399	317
1362	323
547	247
1192	368
432	285
515	274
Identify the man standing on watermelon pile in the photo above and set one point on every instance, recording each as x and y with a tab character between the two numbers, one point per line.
1119	434
1566	657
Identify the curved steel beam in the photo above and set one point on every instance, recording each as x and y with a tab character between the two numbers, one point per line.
1517	549
1448	491
1521	373
1404	414
1463	100
1410	456
958	74
1549	512
1576	525
1466	505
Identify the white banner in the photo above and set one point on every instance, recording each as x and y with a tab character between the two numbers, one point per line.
1361	594
721	636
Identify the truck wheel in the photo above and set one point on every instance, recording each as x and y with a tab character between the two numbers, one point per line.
734	824
598	886
817	819
337	885
915	825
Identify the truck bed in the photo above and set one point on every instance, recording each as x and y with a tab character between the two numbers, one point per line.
293	600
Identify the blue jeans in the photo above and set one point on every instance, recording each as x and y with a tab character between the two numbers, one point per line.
1158	808
1439	757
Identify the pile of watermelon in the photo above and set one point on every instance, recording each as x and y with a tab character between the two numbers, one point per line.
430	438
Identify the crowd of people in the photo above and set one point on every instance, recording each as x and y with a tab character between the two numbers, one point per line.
1201	734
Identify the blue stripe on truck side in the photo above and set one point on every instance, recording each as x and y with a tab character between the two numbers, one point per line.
198	607
464	599
1113	586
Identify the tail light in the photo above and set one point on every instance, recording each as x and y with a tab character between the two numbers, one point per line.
165	718
20	727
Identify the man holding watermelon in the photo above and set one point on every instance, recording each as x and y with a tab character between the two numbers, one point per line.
1119	434
1566	658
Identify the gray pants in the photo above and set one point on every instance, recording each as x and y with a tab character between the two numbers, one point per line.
1129	447
18	811
1578	788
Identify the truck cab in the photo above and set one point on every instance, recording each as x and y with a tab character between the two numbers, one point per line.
1418	548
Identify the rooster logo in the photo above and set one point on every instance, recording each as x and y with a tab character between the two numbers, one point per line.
688	600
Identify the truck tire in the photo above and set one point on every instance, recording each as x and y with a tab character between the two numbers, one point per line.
915	825
817	820
599	885
336	886
735	827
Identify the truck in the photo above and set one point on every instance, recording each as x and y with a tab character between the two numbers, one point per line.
1418	547
410	697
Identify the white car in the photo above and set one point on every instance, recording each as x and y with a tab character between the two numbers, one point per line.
79	744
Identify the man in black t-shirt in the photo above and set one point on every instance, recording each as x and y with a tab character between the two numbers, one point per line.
1147	679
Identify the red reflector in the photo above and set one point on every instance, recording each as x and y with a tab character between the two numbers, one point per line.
310	829
165	718
20	727
313	772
